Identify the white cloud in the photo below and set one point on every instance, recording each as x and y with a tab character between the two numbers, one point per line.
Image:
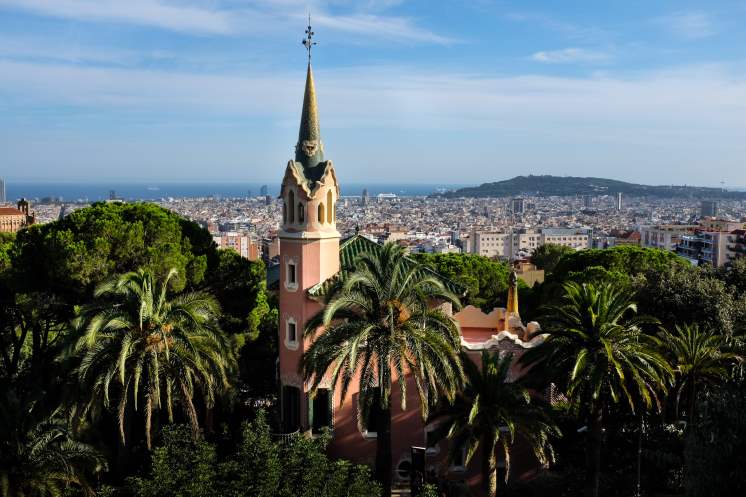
261	17
569	55
690	25
384	27
688	99
154	13
684	119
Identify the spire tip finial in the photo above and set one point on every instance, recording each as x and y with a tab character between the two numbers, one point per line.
308	40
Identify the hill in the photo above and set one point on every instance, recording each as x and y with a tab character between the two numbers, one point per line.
546	185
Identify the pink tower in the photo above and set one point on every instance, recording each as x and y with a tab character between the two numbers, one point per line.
309	254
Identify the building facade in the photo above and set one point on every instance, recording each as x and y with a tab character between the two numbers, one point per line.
521	243
243	243
665	236
13	219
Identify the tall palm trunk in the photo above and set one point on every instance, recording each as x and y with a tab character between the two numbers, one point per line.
384	467
489	469
593	451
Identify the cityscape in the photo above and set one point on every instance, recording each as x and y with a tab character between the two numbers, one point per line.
435	249
703	231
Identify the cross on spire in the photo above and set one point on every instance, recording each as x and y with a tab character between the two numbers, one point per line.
308	40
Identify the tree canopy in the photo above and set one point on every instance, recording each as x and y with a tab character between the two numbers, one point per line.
486	280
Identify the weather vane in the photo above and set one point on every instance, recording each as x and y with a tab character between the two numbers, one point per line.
308	41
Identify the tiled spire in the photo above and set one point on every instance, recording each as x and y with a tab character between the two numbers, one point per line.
309	151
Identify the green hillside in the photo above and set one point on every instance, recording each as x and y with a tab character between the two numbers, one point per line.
572	185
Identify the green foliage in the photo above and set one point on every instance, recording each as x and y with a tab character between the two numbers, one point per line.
258	467
716	446
596	350
70	256
240	286
597	354
626	260
687	294
486	280
699	357
38	455
489	402
145	349
547	256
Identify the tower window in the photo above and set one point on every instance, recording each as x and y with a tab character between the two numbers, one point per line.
291	203
321	213
301	212
329	206
292	277
291	334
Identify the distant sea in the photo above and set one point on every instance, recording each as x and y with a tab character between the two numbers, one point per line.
93	191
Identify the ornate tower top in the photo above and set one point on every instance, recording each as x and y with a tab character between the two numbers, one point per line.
310	150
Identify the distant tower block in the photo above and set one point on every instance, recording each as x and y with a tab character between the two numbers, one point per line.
709	208
365	198
263	190
619	201
587	201
112	195
517	206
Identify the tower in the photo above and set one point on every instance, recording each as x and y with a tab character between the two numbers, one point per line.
309	250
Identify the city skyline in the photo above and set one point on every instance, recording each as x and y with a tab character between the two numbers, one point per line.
180	90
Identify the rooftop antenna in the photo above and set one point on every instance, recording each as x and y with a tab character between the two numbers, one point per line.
308	40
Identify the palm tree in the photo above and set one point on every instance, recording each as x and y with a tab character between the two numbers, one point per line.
699	357
598	354
491	412
380	325
143	349
38	455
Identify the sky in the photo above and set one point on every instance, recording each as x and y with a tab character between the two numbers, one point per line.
432	91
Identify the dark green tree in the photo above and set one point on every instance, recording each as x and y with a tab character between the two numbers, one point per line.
700	357
146	349
683	295
485	280
258	467
598	355
547	256
378	325
38	454
491	413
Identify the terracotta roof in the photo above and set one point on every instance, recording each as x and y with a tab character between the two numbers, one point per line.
10	211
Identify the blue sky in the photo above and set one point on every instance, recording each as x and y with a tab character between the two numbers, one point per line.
409	90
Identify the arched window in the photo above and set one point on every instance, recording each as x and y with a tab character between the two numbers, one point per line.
301	212
291	203
321	212
329	206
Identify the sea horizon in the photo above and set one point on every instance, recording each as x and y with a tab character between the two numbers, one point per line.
92	191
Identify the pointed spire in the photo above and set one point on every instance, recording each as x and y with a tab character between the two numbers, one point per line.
309	151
